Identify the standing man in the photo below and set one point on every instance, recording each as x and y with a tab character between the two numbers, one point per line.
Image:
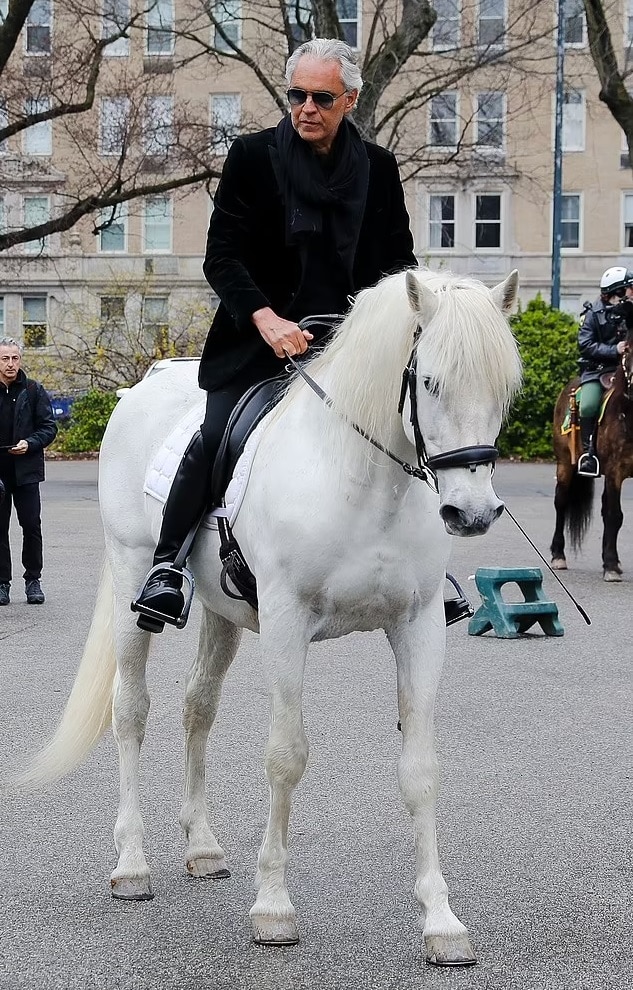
27	426
305	215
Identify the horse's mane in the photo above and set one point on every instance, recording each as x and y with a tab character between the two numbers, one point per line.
468	340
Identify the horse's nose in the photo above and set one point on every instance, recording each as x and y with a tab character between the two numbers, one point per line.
461	522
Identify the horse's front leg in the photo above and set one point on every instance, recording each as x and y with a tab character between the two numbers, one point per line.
284	645
217	646
419	647
130	879
612	518
561	501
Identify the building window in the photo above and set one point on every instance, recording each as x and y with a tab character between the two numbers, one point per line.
116	17
158	126
160	28
347	11
444	121
573	23
113	124
226	112
156	321
570	220
491	26
629	31
36	212
628	220
227	24
445	31
112	231
34	321
487	221
300	20
38	28
1	316
442	221
157	224
490	120
112	313
38	138
573	137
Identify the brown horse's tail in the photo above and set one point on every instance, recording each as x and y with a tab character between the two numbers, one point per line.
579	509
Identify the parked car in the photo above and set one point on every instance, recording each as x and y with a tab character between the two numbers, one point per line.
62	404
157	366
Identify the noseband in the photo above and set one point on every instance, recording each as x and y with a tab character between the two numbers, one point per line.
459	457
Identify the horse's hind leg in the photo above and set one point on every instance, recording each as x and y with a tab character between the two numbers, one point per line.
218	643
284	651
612	518
419	650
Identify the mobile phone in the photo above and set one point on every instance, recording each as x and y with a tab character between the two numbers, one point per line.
6	448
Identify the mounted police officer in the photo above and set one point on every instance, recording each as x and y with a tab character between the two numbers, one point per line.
601	342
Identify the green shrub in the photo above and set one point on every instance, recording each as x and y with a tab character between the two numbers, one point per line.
548	343
88	419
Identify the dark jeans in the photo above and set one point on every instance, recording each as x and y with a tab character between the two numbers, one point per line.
26	499
222	401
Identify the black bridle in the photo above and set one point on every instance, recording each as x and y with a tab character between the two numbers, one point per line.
426	468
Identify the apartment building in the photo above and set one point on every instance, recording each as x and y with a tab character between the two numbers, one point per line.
471	117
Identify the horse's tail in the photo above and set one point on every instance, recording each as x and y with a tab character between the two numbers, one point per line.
88	711
579	508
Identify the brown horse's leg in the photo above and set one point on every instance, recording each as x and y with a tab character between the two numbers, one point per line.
612	518
564	474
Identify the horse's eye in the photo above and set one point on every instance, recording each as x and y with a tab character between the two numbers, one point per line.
431	387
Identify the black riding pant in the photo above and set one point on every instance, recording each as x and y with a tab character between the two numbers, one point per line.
28	508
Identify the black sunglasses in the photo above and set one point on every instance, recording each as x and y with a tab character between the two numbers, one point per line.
297	97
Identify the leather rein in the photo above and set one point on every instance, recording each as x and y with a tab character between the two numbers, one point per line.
427	466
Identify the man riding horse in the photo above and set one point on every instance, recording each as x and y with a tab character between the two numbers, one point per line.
601	344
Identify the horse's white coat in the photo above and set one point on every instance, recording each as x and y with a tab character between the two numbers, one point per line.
339	538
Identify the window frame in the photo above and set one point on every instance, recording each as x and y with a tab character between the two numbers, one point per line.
439	224
119	218
162	28
578	221
233	19
565	148
28	24
574	44
443	147
451	46
34	323
109	25
221	145
491	149
110	151
154	143
151	250
496	45
41	245
160	335
44	129
627	195
488	249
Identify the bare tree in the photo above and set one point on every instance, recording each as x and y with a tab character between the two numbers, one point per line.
613	75
126	132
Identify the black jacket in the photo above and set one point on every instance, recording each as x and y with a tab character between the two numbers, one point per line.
32	421
597	341
250	266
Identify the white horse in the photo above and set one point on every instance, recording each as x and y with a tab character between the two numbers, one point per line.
340	539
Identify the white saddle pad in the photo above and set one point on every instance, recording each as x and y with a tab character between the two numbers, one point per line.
162	470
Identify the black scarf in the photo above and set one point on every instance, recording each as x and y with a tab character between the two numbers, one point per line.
322	199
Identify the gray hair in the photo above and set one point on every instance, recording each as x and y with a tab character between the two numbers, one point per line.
11	342
328	50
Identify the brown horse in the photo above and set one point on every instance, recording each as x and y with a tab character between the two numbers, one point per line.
573	499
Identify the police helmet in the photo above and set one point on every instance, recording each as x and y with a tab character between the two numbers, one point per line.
615	280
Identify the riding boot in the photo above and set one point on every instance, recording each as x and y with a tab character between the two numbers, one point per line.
183	513
588	464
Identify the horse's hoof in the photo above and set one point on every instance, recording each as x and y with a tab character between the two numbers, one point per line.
559	564
612	575
449	950
126	889
274	931
207	869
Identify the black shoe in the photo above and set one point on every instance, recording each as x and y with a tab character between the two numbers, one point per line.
163	593
4	594
456	609
34	593
588	465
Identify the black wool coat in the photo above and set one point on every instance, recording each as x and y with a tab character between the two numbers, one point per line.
250	266
34	422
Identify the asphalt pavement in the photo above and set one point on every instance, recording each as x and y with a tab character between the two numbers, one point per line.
534	824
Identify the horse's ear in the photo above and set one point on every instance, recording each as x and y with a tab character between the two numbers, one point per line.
422	299
505	294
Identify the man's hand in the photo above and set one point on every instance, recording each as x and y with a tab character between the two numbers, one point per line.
284	337
21	447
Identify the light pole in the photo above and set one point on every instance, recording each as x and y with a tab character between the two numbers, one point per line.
558	156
